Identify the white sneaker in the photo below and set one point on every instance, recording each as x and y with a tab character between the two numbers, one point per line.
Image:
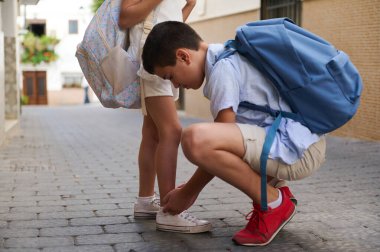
181	223
146	210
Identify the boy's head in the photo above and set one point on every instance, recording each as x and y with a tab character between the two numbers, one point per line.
174	51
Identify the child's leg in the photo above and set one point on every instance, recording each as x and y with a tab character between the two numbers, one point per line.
164	115
148	146
219	149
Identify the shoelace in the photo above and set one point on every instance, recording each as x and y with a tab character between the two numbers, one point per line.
188	216
255	217
156	201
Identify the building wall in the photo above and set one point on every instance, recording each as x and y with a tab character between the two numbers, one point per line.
353	27
216	30
12	93
2	97
57	14
9	89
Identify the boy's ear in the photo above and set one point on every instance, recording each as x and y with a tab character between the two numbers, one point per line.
183	55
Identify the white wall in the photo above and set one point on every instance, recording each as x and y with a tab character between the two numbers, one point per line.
8	13
57	14
207	9
1	21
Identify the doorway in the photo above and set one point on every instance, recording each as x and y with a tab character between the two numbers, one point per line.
34	87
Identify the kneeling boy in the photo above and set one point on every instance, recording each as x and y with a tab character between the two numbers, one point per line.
230	148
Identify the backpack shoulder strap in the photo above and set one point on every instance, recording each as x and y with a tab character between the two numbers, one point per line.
147	27
230	48
264	158
267	109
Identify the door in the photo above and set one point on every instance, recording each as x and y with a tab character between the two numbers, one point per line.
34	87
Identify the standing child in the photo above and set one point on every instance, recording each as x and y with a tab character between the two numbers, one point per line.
230	148
161	129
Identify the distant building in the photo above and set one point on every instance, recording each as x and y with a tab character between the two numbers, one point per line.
57	82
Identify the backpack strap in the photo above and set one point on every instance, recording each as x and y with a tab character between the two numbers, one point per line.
267	143
267	109
230	49
264	158
147	27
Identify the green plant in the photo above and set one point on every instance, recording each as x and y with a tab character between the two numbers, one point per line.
24	100
38	49
96	4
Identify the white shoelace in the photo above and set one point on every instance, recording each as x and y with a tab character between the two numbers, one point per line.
156	201
188	217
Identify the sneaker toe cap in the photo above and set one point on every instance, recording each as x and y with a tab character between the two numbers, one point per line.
245	237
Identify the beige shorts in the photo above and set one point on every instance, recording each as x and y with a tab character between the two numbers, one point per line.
156	86
254	137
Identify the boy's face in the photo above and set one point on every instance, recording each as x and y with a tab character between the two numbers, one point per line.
188	72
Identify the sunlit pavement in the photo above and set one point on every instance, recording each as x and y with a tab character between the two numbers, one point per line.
68	180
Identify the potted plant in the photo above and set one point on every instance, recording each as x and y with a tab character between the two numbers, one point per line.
38	49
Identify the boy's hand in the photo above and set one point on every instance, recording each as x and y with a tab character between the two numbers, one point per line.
177	201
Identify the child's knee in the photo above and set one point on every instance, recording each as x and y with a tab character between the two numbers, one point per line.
192	141
176	132
170	132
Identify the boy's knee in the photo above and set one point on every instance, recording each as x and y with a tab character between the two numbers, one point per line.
192	141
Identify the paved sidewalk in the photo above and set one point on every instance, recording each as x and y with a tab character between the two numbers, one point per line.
68	181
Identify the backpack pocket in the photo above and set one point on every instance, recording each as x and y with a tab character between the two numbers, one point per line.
346	76
119	69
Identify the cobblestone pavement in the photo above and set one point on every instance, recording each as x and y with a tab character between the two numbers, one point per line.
68	181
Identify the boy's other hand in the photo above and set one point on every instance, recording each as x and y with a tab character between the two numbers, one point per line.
177	201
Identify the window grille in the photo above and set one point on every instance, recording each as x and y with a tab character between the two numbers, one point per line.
281	8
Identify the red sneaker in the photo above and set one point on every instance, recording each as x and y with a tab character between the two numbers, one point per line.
287	191
264	226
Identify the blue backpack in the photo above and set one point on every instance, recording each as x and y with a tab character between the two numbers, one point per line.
319	82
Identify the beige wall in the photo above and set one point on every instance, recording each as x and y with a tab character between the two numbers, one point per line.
354	27
216	30
2	97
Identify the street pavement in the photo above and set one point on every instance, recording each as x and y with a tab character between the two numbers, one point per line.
69	178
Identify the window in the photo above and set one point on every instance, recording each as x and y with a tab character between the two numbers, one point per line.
73	26
72	80
37	27
282	8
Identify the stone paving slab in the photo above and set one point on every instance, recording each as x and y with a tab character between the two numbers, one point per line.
69	178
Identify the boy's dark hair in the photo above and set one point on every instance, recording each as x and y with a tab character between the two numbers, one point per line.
163	41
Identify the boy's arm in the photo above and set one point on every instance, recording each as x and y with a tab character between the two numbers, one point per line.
133	12
186	10
226	116
183	197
